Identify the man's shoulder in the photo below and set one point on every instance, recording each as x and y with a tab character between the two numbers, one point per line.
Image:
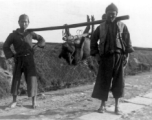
13	33
102	26
121	23
103	23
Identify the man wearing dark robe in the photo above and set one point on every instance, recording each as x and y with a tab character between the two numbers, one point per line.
113	51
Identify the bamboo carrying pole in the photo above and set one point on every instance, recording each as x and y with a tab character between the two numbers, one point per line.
77	25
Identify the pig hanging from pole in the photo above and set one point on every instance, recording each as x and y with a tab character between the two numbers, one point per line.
77	47
68	37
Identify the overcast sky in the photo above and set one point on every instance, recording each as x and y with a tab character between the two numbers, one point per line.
47	13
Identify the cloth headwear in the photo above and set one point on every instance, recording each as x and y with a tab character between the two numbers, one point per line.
23	16
112	7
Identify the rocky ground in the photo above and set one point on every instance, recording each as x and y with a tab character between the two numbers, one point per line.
68	104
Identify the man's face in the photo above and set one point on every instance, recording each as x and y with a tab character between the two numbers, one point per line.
111	15
24	22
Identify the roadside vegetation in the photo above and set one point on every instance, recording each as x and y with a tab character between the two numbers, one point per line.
55	73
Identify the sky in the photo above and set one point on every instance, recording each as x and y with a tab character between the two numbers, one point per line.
47	13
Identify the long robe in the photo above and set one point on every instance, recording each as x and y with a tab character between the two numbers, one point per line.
111	70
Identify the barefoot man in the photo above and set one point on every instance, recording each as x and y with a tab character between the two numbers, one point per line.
21	39
113	51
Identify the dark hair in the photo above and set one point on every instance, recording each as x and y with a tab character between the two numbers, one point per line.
23	16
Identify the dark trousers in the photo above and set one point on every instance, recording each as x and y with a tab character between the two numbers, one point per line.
26	65
110	77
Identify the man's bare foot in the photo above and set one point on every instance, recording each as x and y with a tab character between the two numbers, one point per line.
118	111
34	106
12	105
102	109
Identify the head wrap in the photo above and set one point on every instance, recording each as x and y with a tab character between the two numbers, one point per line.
112	7
23	16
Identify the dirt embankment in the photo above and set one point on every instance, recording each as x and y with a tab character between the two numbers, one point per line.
55	73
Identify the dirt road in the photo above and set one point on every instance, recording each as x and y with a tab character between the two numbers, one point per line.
142	114
69	104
